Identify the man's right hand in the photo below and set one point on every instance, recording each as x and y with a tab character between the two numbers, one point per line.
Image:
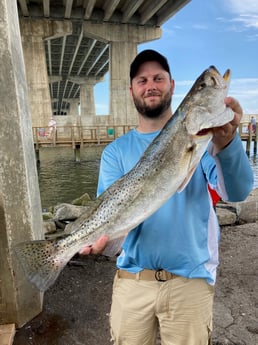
96	248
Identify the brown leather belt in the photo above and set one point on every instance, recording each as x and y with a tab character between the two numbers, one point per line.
159	275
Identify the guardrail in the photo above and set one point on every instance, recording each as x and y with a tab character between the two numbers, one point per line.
77	135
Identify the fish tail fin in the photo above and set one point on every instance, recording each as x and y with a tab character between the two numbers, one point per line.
41	262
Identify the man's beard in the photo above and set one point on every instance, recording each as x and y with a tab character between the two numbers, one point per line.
153	111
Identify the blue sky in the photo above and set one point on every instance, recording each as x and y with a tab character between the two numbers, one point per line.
203	33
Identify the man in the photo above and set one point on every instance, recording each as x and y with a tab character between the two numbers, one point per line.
167	267
253	124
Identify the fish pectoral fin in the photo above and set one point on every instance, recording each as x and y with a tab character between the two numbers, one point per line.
113	247
187	179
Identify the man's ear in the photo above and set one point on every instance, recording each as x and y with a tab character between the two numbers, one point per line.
131	91
172	86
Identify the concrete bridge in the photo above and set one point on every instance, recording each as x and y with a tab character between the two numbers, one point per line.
69	46
52	53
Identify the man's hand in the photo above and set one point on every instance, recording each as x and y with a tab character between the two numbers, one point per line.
223	135
97	247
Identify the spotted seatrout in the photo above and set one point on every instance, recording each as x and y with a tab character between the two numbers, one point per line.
165	167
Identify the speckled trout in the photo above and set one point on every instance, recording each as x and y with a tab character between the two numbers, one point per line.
164	169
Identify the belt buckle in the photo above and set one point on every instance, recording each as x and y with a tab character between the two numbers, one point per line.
160	275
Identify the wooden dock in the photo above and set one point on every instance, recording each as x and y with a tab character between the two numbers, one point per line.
248	135
76	137
79	136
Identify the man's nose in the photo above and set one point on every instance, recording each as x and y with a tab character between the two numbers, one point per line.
151	85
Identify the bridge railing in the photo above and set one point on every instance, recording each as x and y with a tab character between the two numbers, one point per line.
74	135
78	135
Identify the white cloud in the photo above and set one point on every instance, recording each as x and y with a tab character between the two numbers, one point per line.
200	26
246	91
168	32
245	14
245	85
187	83
252	37
243	6
248	21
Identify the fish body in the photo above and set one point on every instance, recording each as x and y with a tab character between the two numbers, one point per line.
165	168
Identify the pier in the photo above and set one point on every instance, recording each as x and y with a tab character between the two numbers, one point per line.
79	136
76	137
248	135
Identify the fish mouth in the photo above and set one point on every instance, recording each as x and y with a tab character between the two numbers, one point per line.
227	75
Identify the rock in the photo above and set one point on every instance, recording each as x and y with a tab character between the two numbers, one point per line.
227	213
68	211
245	211
82	201
225	216
49	226
47	215
248	211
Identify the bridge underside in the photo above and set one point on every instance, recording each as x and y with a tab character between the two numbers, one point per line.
74	57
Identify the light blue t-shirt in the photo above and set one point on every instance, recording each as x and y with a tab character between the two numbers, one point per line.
182	236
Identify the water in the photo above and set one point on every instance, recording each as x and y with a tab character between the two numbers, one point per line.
254	163
61	179
253	159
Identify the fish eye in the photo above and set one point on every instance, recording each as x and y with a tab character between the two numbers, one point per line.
202	85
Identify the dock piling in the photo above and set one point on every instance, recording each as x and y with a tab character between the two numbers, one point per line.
77	153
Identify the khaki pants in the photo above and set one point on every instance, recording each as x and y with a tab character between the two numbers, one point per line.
180	307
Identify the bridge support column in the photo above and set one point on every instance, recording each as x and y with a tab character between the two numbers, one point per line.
77	153
33	33
20	206
123	41
87	100
73	109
